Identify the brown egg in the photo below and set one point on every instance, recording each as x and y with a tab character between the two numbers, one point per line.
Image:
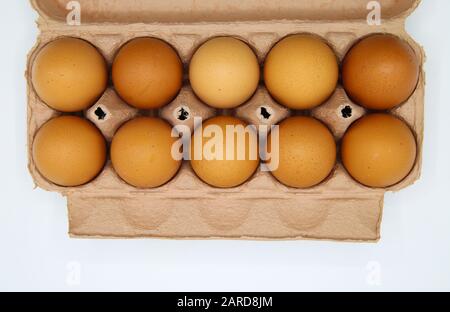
141	152
69	151
307	152
224	172
380	72
379	150
301	71
147	73
69	74
224	72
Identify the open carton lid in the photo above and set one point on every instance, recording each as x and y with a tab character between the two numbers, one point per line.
196	11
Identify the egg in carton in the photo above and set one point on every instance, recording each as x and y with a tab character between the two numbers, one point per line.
338	209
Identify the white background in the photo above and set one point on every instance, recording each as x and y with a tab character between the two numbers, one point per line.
36	253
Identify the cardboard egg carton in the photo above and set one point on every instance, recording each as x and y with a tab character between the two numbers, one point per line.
338	209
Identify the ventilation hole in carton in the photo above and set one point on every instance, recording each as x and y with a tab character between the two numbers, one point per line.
100	114
265	113
347	112
182	113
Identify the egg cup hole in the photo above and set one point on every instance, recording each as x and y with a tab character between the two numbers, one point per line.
182	113
265	113
346	111
101	114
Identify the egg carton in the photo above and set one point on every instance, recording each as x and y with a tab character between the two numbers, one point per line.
186	208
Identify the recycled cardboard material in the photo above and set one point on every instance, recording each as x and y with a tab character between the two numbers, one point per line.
186	208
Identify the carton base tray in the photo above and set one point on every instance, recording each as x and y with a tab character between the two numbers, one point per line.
143	216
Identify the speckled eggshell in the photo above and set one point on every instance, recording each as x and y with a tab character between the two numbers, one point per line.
307	152
69	151
380	72
147	73
141	152
69	74
223	173
379	150
301	71
224	72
